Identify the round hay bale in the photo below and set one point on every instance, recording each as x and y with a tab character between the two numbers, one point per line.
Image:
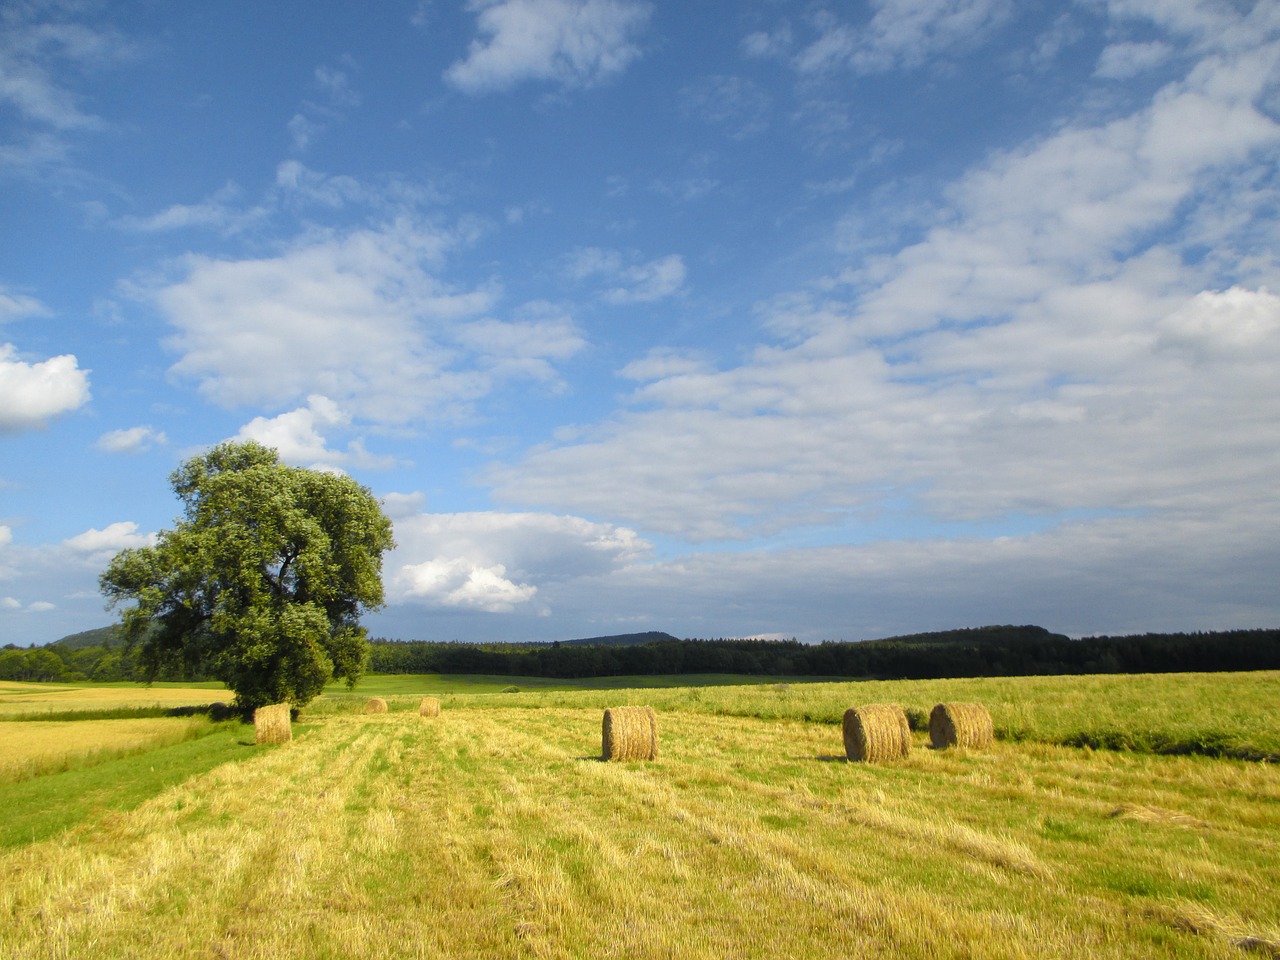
960	725
375	705
878	731
429	707
273	724
629	733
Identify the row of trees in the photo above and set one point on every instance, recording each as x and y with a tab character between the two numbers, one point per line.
57	663
985	652
988	651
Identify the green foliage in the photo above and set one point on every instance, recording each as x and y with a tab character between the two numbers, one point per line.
262	582
977	652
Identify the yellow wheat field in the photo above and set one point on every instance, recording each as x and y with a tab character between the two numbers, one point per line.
41	743
31	698
502	834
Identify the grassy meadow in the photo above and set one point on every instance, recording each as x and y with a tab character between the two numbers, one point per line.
495	830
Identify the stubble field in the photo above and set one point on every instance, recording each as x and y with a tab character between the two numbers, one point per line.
495	831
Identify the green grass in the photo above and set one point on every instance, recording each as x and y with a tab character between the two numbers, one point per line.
104	713
75	796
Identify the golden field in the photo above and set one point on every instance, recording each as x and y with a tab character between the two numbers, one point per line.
496	831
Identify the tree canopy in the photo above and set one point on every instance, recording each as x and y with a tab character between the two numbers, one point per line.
261	583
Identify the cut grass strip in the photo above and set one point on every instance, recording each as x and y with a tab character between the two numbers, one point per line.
43	807
105	713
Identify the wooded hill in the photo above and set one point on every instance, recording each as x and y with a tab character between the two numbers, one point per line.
976	652
982	651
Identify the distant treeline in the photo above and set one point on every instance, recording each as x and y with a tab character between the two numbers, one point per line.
977	652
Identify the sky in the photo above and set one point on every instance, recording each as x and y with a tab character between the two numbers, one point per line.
726	318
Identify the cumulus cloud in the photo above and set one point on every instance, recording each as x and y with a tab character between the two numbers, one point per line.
498	562
131	440
109	540
299	436
463	583
574	43
33	393
361	319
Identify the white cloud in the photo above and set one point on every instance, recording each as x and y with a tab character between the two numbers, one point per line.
732	103
571	42
33	393
339	95
109	540
901	33
296	434
131	440
623	282
1038	353
337	86
222	211
462	583
359	319
300	437
44	61
6	535
14	306
10	603
41	606
497	562
1120	61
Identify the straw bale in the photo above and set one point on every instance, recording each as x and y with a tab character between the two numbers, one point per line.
273	724
429	707
878	731
629	733
960	725
375	705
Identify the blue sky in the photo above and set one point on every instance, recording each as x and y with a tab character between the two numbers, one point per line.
764	318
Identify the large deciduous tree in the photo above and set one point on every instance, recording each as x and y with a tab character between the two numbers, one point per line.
262	582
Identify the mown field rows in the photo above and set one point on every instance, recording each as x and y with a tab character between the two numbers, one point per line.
1217	714
494	830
